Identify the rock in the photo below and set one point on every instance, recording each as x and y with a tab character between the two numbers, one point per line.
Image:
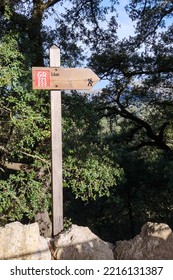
23	242
50	242
155	242
44	223
79	243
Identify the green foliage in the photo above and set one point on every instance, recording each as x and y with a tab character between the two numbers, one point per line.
90	179
88	168
22	195
25	139
67	223
117	145
10	61
138	107
24	134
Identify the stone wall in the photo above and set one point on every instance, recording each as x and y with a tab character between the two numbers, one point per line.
24	242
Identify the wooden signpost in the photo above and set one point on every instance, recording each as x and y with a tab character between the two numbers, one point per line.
54	78
63	78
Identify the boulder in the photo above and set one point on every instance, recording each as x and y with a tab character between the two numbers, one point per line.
155	242
79	243
23	242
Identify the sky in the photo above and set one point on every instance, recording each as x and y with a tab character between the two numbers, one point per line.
126	25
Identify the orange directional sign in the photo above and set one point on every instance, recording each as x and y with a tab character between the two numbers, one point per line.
55	78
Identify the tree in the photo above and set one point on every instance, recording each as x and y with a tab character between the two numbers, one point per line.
138	105
141	77
23	129
25	133
117	144
89	169
27	18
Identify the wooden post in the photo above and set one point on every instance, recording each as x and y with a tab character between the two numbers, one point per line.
56	138
52	78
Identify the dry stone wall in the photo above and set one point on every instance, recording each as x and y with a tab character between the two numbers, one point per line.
24	242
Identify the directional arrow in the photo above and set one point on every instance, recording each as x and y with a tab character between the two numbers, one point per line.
53	78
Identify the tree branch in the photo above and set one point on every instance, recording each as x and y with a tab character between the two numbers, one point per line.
50	3
37	157
143	144
157	140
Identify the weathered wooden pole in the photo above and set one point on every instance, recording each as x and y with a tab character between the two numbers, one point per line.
53	78
56	138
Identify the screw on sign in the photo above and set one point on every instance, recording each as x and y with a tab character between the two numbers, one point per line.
42	78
